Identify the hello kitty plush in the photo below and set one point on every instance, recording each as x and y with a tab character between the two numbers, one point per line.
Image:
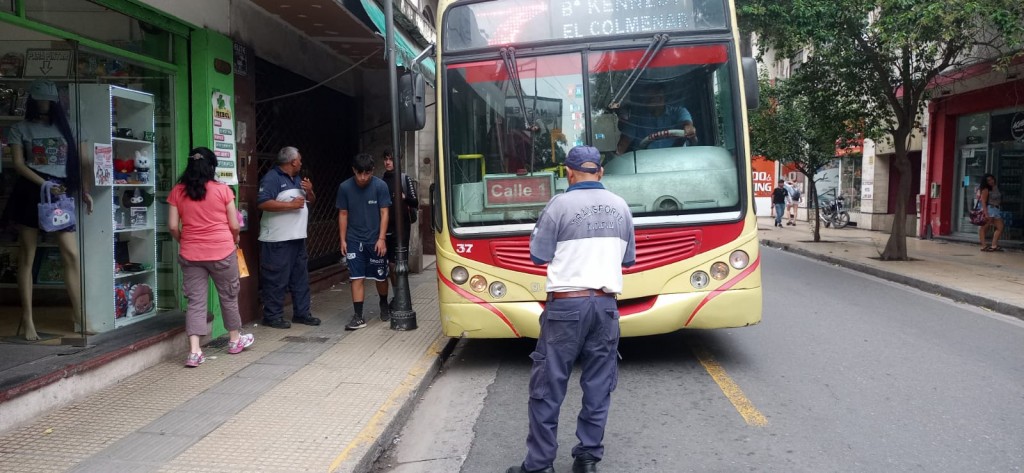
142	164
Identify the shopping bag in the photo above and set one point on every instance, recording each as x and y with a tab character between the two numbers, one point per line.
55	215
243	269
977	216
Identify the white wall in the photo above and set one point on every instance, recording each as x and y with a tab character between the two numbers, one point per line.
270	38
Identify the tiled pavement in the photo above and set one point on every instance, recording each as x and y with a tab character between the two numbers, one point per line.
302	399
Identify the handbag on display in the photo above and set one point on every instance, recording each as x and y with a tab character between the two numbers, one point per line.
55	215
977	216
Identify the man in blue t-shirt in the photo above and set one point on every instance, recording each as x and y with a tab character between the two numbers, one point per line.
649	114
363	202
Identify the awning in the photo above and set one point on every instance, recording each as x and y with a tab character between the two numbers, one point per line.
407	48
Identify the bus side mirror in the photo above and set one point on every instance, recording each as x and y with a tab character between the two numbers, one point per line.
412	115
750	86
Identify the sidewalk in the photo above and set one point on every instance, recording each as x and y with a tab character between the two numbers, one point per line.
959	271
303	399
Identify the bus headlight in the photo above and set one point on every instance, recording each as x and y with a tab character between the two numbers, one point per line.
497	289
719	271
739	259
699	279
460	275
478	283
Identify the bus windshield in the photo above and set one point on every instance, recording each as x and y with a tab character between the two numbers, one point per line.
667	135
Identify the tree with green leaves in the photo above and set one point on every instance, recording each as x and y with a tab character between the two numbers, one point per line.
798	128
882	58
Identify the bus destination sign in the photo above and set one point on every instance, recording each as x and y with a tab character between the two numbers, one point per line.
587	18
504	22
517	191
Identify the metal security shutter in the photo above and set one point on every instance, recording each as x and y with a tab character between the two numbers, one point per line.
322	125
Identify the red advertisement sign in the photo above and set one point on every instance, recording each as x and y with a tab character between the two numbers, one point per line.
518	190
763	175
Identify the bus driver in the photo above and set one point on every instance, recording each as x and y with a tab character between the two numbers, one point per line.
651	113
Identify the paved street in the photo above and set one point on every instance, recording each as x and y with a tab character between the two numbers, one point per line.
845	373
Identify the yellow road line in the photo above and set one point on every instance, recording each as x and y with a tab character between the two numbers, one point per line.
729	387
375	426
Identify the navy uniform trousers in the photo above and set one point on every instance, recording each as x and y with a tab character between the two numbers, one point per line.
584	328
284	268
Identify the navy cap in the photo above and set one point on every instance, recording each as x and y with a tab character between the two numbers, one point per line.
581	155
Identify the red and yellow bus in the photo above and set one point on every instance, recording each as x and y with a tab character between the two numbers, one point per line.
659	87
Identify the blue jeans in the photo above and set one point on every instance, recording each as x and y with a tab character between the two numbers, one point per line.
284	267
779	210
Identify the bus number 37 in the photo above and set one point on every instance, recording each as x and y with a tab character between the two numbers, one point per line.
463	247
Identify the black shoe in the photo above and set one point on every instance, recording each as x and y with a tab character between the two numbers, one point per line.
310	320
520	469
585	463
385	312
356	323
277	323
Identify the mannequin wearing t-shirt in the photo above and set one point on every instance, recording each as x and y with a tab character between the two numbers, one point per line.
43	150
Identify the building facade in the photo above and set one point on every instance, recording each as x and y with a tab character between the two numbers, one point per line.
144	81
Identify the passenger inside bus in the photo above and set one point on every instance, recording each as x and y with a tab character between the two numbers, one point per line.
650	112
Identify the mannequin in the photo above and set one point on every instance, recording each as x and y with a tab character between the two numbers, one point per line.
44	149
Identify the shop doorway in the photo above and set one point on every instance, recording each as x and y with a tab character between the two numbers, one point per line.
973	163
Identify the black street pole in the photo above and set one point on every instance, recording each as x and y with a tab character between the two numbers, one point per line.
402	315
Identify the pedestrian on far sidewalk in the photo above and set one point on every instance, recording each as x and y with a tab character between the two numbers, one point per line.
363	201
793	205
284	197
204	221
585	253
406	197
991	199
779	198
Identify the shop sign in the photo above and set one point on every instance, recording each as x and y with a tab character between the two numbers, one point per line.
47	62
223	134
241	60
763	174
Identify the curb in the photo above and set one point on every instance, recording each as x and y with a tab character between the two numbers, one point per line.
955	295
400	413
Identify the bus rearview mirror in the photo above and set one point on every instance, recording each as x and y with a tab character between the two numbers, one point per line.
412	115
750	85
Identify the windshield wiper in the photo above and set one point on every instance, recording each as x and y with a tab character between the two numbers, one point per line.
508	56
652	50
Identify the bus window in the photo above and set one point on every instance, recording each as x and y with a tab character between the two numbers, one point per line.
672	149
504	159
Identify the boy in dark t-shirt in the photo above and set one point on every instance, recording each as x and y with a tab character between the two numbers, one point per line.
363	201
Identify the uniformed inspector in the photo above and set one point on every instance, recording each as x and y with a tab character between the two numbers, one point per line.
585	235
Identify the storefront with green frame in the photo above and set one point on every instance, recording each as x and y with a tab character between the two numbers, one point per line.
122	72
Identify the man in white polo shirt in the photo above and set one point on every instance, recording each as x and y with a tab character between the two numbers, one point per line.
283	261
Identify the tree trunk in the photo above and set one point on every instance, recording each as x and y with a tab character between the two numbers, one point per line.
896	247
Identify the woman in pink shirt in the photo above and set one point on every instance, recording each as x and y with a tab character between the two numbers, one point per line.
208	235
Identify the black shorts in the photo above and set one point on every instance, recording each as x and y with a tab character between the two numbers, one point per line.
25	209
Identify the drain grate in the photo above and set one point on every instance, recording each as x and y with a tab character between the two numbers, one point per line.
296	339
219	343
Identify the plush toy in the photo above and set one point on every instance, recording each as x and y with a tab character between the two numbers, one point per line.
136	198
120	301
141	297
142	164
122	170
